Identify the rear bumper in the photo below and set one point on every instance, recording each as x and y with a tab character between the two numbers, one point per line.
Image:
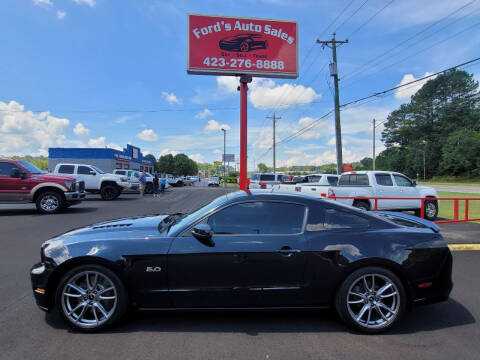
39	276
74	196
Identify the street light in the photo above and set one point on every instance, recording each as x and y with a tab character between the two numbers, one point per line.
224	148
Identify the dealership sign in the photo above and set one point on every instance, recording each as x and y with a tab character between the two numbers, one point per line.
219	45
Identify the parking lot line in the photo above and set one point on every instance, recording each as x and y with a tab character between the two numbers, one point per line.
464	247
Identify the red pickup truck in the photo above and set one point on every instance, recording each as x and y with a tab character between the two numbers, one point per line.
22	182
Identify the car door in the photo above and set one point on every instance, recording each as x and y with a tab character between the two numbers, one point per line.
258	258
407	189
10	187
385	188
89	175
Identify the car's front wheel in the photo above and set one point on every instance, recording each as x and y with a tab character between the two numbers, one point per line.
49	202
371	300
109	192
91	297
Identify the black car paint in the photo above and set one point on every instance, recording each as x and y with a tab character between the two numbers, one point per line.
245	270
233	43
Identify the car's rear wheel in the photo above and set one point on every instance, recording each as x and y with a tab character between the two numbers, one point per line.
91	297
362	205
49	202
371	300
109	192
149	188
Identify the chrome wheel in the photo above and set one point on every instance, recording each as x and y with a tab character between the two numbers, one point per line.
373	301
49	203
89	299
430	210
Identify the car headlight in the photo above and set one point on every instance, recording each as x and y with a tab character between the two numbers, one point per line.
70	184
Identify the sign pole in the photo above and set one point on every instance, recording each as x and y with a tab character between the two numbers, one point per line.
244	80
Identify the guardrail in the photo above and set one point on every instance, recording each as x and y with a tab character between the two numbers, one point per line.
456	201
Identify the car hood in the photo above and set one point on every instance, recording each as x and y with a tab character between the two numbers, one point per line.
52	177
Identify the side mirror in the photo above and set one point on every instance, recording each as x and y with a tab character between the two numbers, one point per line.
415	183
15	173
203	233
91	172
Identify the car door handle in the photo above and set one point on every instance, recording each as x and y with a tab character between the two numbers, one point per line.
288	251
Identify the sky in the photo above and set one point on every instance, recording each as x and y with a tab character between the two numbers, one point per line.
96	73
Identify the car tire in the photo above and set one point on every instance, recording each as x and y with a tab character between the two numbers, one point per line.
364	297
430	210
109	192
80	302
244	46
149	188
362	205
49	202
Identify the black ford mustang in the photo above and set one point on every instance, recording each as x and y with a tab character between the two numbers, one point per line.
243	42
247	250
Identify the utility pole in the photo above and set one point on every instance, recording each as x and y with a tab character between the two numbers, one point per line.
373	144
224	148
274	118
332	44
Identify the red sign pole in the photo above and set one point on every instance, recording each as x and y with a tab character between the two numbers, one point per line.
244	80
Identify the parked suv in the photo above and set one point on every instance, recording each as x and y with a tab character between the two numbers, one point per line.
109	186
260	181
22	182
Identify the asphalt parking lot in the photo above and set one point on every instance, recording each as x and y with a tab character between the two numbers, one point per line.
441	331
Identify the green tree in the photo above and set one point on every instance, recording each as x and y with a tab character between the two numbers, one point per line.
166	164
151	157
262	167
461	154
184	165
367	163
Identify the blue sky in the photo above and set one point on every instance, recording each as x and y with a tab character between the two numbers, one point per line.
112	72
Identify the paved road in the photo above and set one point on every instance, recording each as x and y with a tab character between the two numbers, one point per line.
460	189
442	331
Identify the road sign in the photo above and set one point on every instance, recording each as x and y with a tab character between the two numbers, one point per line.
220	45
229	157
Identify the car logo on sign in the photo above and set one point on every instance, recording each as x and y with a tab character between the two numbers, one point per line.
153	269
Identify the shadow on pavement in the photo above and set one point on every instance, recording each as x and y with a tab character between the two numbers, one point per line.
253	322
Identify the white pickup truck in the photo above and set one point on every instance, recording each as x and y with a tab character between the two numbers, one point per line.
109	186
369	184
309	183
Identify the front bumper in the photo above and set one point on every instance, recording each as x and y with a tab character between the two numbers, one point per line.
125	184
40	274
74	196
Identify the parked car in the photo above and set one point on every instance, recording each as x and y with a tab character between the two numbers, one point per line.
310	183
261	181
174	181
109	186
134	176
384	184
22	182
214	181
247	249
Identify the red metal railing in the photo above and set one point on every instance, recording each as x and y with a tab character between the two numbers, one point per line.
456	217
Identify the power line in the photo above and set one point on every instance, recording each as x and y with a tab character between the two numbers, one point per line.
370	19
353	14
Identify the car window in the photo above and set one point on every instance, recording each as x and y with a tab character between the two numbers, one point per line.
267	177
316	217
338	219
97	170
121	172
402	181
354	179
259	217
6	168
66	169
384	179
314	178
332	180
84	170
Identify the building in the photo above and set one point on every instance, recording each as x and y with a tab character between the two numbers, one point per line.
105	159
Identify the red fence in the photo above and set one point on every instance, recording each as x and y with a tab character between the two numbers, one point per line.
456	201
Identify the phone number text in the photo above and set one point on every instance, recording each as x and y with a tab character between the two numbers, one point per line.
244	63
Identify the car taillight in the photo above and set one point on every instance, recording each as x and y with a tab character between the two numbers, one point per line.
262	185
331	193
298	188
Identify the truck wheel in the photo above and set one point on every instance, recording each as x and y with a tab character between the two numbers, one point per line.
149	188
109	192
49	202
362	205
430	210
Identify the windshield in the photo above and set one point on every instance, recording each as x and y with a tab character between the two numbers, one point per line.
97	169
197	214
32	169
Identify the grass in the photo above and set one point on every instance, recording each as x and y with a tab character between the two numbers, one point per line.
452	180
447	206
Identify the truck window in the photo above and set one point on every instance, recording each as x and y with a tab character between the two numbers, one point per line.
402	181
120	172
84	170
6	168
354	179
332	180
66	169
315	178
384	179
267	177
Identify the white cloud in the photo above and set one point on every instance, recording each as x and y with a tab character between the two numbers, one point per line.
99	142
123	119
81	130
26	133
171	98
196	157
217	151
147	135
43	2
168	151
90	3
408	91
228	84
203	114
265	94
213	125
61	14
